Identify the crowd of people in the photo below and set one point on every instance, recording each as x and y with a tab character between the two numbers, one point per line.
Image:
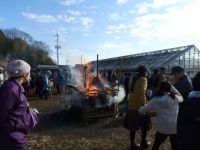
174	101
43	83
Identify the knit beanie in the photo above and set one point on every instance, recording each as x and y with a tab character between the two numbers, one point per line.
18	68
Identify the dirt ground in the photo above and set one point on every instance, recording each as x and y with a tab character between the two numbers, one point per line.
58	131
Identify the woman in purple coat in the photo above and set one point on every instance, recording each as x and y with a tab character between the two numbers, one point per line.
16	118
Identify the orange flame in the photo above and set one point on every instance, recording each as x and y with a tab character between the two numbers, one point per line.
92	91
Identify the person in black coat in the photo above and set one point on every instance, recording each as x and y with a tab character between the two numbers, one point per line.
188	123
182	81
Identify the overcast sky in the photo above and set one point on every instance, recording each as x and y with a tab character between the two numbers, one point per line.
108	27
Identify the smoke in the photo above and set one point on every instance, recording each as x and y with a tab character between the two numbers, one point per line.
121	93
111	99
76	78
76	93
73	97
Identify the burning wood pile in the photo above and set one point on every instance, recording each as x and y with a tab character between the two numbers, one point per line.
101	99
95	96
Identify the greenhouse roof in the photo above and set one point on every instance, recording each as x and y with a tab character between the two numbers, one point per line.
153	59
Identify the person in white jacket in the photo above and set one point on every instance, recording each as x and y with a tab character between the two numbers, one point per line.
165	103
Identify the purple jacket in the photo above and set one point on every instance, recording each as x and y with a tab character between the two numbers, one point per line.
15	116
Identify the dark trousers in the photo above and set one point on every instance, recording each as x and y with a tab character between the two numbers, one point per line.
58	88
160	138
44	93
143	138
126	93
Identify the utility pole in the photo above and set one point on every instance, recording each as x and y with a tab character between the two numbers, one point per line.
57	46
97	66
13	33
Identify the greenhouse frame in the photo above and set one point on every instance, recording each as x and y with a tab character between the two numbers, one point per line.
185	56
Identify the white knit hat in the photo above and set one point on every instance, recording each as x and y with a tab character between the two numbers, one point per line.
18	68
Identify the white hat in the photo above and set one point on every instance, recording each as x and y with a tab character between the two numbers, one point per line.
18	68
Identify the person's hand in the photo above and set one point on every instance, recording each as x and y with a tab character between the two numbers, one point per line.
35	111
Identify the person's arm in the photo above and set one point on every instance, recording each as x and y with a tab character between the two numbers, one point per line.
34	117
148	107
7	99
187	88
29	118
141	90
178	96
174	90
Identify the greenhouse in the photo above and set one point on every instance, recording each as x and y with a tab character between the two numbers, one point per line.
185	56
